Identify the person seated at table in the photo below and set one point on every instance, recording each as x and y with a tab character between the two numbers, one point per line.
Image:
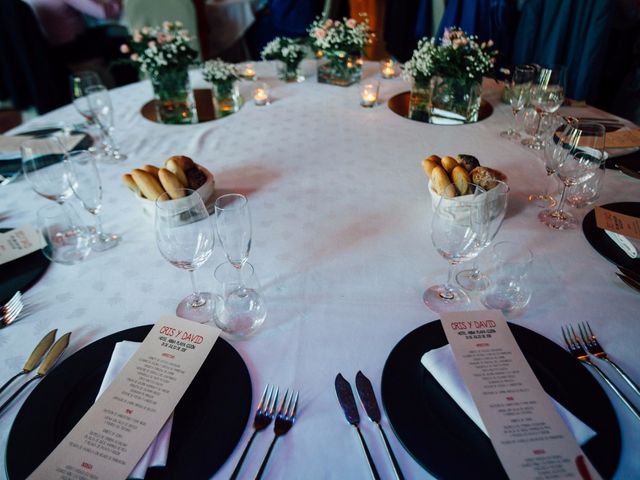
64	25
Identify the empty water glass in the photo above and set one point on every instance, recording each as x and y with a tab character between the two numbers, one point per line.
509	282
68	241
102	114
242	308
586	193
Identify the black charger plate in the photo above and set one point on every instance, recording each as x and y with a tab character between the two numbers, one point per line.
446	442
21	273
601	242
208	422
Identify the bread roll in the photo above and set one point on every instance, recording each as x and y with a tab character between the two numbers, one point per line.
484	177
461	179
127	179
196	178
171	184
147	183
428	166
178	171
450	191
449	163
469	161
434	158
184	162
439	179
152	169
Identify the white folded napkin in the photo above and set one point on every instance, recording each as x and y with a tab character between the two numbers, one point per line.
442	365
156	454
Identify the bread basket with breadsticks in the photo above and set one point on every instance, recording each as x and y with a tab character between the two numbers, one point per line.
452	176
179	172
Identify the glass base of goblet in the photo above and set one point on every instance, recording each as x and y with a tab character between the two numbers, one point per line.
532	143
199	308
445	298
558	220
106	241
543	201
510	134
472	280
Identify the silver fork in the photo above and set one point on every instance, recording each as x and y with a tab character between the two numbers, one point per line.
573	344
595	349
10	311
285	419
263	417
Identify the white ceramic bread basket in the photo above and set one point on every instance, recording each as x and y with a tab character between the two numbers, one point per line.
206	191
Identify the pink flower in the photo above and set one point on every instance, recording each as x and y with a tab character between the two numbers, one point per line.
490	43
337	23
135	57
167	25
328	23
162	38
124	48
136	36
319	33
146	30
179	24
151	44
351	23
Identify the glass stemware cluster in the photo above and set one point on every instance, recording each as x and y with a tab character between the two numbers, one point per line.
519	90
547	96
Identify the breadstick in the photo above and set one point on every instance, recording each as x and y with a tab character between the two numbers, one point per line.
147	183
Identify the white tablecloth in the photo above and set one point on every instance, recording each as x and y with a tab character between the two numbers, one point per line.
341	243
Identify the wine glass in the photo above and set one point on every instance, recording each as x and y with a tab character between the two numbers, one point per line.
80	82
85	182
43	166
547	96
185	237
520	87
582	145
458	228
234	227
497	199
102	112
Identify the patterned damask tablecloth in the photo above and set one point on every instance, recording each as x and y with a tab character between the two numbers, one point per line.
341	244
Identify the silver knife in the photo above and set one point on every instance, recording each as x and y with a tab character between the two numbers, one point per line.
49	361
368	399
627	171
348	404
34	358
623	243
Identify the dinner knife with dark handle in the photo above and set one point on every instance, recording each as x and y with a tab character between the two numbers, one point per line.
368	399
34	358
348	404
49	361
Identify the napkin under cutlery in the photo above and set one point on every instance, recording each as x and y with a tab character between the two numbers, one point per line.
156	454
441	363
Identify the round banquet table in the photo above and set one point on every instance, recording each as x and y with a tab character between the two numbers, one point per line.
341	244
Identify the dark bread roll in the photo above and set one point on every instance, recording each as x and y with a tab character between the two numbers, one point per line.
469	161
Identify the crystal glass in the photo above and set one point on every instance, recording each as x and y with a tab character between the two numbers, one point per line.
519	91
586	193
497	200
185	238
80	82
68	241
43	166
102	111
85	182
233	221
509	277
242	308
547	96
458	228
582	145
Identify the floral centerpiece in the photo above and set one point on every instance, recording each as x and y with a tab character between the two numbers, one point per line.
224	78
447	78
289	52
341	44
164	54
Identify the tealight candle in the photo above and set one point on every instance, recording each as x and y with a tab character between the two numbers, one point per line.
388	69
369	94
249	73
261	95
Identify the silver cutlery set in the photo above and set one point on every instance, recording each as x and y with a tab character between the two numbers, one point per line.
44	349
285	417
368	399
11	310
584	346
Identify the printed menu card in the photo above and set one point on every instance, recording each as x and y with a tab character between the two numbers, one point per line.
526	431
627	225
19	242
115	432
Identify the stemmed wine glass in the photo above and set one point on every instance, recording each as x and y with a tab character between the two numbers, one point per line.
185	237
458	228
43	166
497	199
547	97
85	182
520	87
80	82
233	221
581	154
102	113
